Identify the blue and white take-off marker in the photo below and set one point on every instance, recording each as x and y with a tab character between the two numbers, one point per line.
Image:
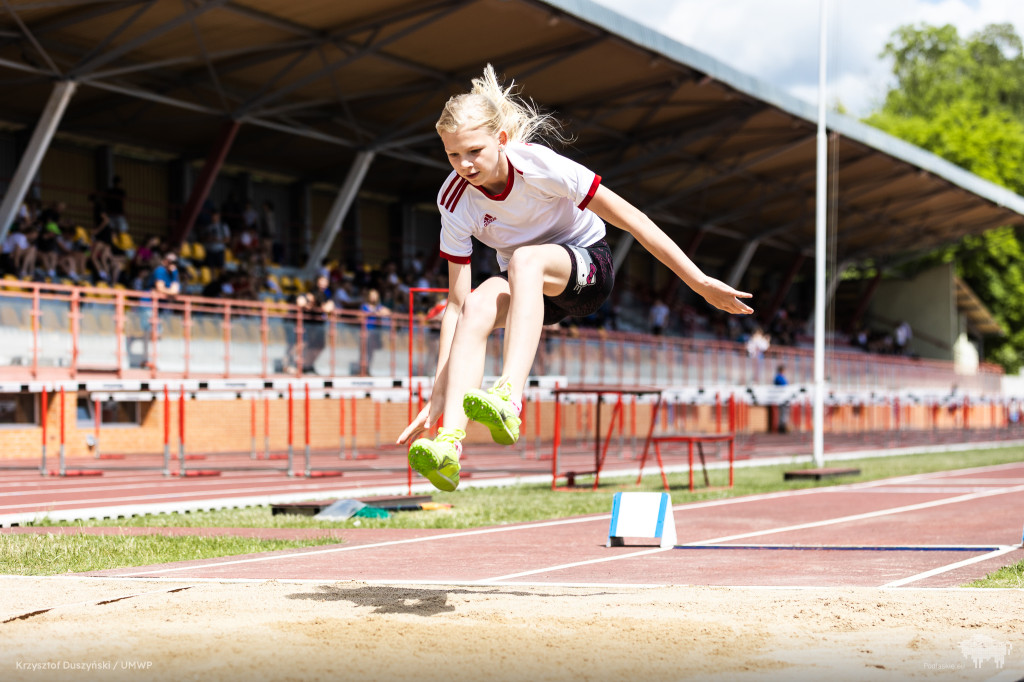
642	515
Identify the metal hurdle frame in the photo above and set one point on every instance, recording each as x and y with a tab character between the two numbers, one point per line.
180	391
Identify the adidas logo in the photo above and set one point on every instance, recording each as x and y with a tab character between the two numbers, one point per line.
488	219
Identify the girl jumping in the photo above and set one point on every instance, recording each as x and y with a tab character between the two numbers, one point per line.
544	215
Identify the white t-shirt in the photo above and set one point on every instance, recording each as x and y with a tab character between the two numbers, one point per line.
543	203
15	241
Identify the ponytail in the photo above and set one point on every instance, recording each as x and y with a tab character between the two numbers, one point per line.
493	107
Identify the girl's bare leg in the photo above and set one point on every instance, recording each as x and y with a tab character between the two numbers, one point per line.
533	272
484	311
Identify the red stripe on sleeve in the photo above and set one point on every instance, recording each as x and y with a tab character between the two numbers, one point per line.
590	193
459	260
448	189
454	201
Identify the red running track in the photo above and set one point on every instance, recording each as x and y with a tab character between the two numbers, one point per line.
122	491
933	530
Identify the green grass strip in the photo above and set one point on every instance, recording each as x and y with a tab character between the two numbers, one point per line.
1008	576
52	554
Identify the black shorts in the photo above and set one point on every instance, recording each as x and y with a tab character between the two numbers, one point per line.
590	283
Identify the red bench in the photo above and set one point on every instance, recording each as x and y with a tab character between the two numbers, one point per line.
690	439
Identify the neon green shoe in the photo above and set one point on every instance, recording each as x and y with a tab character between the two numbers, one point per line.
437	460
494	410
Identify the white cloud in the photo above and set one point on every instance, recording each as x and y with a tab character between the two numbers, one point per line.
777	41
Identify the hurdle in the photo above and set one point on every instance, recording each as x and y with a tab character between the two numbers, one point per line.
600	447
62	470
308	471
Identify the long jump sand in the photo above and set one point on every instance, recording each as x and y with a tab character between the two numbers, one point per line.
272	630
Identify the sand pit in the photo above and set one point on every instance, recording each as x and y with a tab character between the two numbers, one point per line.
356	631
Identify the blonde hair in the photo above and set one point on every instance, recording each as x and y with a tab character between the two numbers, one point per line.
493	107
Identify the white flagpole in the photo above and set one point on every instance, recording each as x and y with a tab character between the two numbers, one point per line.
820	292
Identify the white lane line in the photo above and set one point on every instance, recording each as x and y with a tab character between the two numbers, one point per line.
604	517
192	581
951	567
814	524
922	490
560	567
547	524
860	517
972	481
374	545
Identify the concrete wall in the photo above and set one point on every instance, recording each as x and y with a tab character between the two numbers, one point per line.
928	303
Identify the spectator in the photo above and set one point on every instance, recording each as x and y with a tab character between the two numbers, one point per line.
115	198
272	246
247	243
215	240
781	328
783	408
18	255
416	265
658	317
47	249
146	254
251	217
344	295
375	311
219	287
757	346
315	306
859	338
142	278
901	338
166	278
71	258
102	257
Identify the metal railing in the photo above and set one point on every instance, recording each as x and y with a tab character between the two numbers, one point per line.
50	330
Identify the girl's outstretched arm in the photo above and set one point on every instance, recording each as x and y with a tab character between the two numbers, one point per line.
459	286
617	211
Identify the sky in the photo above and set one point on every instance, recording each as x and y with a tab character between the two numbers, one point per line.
777	40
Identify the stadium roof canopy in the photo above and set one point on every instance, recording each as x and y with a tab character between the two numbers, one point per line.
709	152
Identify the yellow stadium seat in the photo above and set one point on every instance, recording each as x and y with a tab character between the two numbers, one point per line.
9	317
124	241
186	251
198	252
205	277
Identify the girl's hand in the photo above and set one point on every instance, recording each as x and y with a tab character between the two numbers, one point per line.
724	297
422	422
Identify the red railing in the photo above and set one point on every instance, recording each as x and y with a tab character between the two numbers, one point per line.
50	330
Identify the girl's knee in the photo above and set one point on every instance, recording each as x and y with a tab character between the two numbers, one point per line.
525	263
478	311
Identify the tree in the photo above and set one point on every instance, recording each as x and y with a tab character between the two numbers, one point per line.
963	100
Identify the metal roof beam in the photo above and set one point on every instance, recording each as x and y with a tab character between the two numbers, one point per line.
32	39
362	51
87	65
739	168
660	147
103	44
339	209
90	9
31	159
